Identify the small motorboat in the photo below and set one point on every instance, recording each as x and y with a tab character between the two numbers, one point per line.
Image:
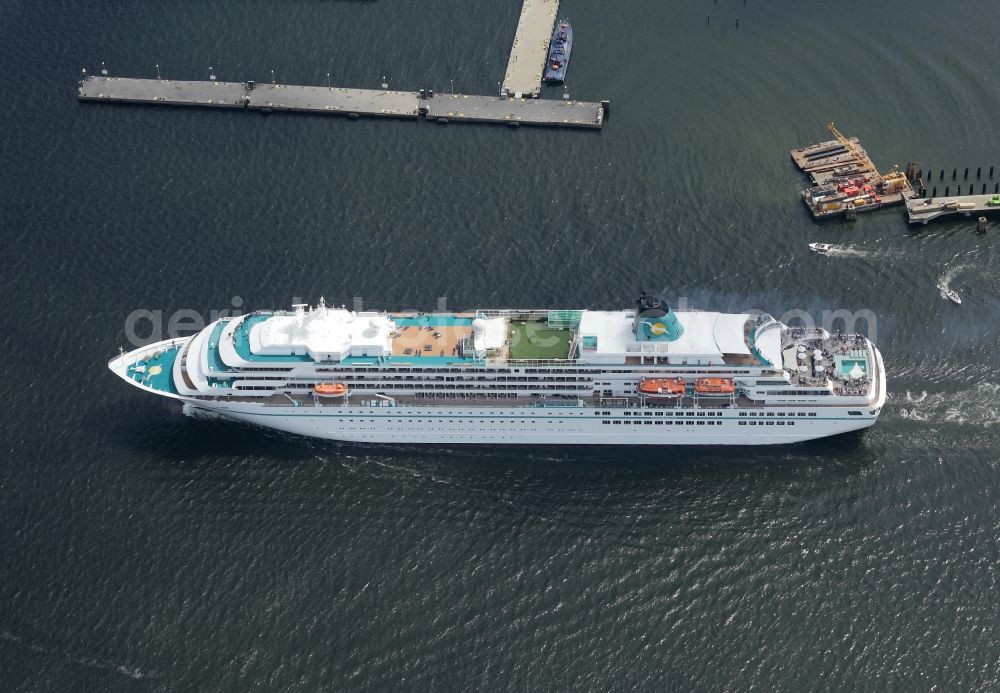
330	390
714	386
821	248
663	387
951	295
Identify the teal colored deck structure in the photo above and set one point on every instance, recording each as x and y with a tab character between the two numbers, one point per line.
242	343
156	371
432	321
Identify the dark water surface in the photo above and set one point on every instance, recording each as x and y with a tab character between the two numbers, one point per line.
144	550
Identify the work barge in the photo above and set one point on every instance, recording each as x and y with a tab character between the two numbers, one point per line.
516	104
844	180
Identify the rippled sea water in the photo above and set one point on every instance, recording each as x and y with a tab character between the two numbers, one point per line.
145	550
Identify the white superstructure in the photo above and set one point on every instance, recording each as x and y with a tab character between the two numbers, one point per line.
643	376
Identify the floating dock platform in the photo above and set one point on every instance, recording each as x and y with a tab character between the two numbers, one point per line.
826	162
845	180
530	49
352	103
922	210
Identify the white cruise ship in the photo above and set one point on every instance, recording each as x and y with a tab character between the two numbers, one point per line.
647	376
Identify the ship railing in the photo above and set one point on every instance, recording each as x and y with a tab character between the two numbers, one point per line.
503	363
513	313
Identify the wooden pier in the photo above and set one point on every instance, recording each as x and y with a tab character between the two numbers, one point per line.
353	103
530	49
922	210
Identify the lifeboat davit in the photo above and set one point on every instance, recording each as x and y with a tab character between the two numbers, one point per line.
714	386
330	389
663	387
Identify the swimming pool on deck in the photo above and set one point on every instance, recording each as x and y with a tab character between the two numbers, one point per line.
845	364
431	320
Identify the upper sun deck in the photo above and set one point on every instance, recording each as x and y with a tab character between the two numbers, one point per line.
323	336
846	363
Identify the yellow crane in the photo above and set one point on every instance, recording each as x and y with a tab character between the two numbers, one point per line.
859	155
892	182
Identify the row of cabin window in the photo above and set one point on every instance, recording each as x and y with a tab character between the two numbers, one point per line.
660	422
771	413
767	423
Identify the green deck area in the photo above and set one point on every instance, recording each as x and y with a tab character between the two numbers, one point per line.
534	340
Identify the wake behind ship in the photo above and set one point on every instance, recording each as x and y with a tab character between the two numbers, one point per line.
648	376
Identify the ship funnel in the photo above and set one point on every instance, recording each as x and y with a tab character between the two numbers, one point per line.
654	321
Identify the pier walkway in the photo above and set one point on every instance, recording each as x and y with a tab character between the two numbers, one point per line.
257	96
345	102
490	109
530	49
922	210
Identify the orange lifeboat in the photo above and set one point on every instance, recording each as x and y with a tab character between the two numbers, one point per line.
330	389
714	386
663	387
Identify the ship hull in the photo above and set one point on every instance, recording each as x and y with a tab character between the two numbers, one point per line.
559	53
448	401
513	425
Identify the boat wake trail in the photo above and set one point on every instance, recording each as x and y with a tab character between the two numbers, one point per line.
849	251
944	281
202	414
853	251
977	406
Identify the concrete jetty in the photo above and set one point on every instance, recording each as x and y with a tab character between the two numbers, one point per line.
488	109
516	104
250	95
922	210
385	103
530	49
